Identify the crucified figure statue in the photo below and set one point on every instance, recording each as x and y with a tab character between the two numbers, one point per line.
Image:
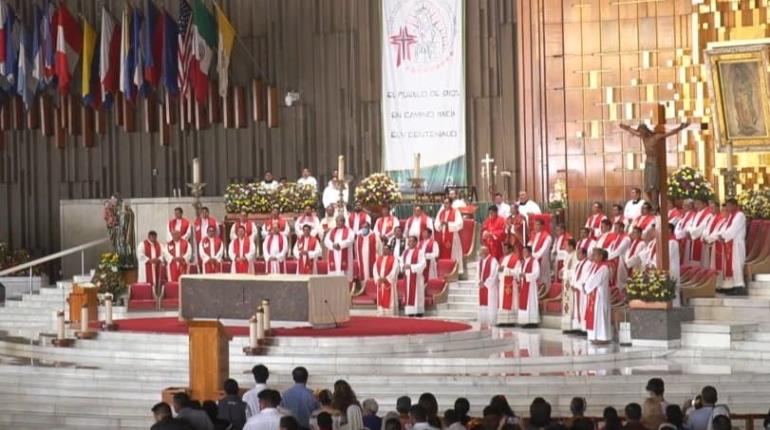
654	144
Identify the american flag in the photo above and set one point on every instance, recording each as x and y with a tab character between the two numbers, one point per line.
185	47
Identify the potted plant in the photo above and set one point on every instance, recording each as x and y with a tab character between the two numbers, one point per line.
108	277
651	289
755	203
253	199
688	183
376	191
557	200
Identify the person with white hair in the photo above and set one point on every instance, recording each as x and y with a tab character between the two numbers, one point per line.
371	420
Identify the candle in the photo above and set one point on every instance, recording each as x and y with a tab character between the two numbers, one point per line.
60	325
108	310
253	343
341	168
196	170
84	319
260	324
266	311
417	165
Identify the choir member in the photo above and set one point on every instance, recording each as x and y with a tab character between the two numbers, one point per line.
386	269
412	264
594	221
242	252
540	247
633	258
269	183
210	250
202	224
586	242
516	229
385	225
448	224
339	245
430	251
646	221
616	257
558	251
734	236
308	180
488	277
250	229
598	310
276	219
308	218
331	194
527	273
417	222
696	231
397	243
149	255
275	249
493	233
633	207
307	251
179	223
503	208
177	254
367	247
526	206
506	312
571	261
358	218
577	282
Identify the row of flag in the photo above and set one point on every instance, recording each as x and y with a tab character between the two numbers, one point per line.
146	49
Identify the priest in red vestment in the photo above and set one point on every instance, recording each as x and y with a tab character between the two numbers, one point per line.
430	250
177	254
540	247
607	236
616	257
577	299
275	249
250	229
634	257
506	312
358	218
416	223
386	269
598	314
646	222
181	224
385	225
493	233
149	255
242	252
712	246
339	244
307	251
202	224
308	218
488	273
210	251
594	221
586	242
527	273
734	237
516	229
276	219
366	249
696	231
559	250
412	265
448	224
682	227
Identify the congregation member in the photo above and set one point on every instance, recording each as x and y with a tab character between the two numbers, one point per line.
527	274
416	223
268	182
358	218
412	265
149	256
299	400
506	312
276	220
571	261
598	318
308	218
181	224
249	228
540	247
646	221
617	253
385	226
594	221
447	225
331	194
696	231
275	249
616	214
586	242
488	278
211	251
164	419
558	250
386	270
633	207
202	224
197	418
242	252
606	236
430	251
269	417
702	416
503	208
177	255
344	400
307	179
733	234
516	229
339	245
493	233
634	257
261	374
367	246
526	206
231	410
307	251
578	280
397	243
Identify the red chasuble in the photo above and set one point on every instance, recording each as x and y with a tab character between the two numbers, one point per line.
516	237
496	227
445	237
525	285
590	317
507	299
644	221
270	239
241	266
177	269
384	265
594	222
183	227
728	250
696	253
198	227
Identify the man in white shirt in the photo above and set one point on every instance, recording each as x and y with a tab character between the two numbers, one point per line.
633	208
503	208
251	397
307	179
527	206
331	194
269	183
269	417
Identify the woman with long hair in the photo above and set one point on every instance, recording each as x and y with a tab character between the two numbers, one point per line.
344	400
430	404
507	416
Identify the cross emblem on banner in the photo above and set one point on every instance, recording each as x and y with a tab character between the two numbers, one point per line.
403	41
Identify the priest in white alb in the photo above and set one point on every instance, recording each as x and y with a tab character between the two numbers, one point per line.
416	223
249	228
276	219
697	230
149	256
488	278
412	265
202	224
577	284
308	217
527	273
242	252
540	246
307	251
598	314
386	270
181	224
559	250
734	236
430	250
447	225
210	251
357	218
385	225
506	310
570	263
526	206
633	207
178	255
339	245
275	249
367	247
331	194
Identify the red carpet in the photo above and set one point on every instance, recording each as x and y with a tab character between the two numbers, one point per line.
358	326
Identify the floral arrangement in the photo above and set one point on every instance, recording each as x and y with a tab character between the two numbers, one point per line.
378	189
557	200
252	198
10	258
651	285
755	203
108	277
688	183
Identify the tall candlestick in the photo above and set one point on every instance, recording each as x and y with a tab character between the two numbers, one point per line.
260	324
417	165
266	311
108	311
341	168
196	170
84	319
60	325
253	342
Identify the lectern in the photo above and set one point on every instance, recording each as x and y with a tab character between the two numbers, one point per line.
209	359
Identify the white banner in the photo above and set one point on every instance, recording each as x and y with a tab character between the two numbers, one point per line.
423	91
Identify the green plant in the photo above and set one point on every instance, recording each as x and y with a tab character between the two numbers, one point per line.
688	183
651	285
108	277
378	189
251	198
755	203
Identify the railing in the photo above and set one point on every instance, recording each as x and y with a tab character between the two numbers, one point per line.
75	249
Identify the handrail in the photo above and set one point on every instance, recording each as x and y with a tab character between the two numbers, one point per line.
56	256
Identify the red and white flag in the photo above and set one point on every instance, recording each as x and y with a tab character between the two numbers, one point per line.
69	44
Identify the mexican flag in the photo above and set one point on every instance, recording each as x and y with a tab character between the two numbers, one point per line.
203	44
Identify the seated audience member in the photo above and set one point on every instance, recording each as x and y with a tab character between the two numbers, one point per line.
269	417
325	402
164	421
324	421
766	423
371	420
251	397
701	418
654	406
430	404
212	410
722	422
197	418
583	423
420	418
490	419
393	424
674	419
611	419
633	417
452	421
231	408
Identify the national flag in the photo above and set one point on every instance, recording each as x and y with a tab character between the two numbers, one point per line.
48	40
89	48
152	41
225	49
185	47
109	56
170	70
127	56
204	40
26	84
37	49
136	47
69	45
11	34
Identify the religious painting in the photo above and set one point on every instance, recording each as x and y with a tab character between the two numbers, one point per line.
740	96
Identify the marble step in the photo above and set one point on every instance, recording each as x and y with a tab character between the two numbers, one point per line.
749	345
762	277
714	334
752	309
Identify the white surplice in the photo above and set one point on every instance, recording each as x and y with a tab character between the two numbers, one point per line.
453	227
734	234
488	277
275	248
597	290
412	264
527	272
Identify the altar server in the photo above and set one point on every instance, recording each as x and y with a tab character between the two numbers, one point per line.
331	194
734	236
430	250
594	221
210	250
242	252
385	225
307	251
412	264
488	278
526	206
358	218
149	255
386	269
447	227
308	218
339	245
275	249
598	310
527	273
276	219
506	312
367	247
416	223
181	224
177	254
540	247
250	229
493	233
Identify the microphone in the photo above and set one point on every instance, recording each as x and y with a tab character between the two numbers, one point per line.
329	309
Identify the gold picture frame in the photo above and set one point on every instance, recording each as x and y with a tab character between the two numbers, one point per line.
740	97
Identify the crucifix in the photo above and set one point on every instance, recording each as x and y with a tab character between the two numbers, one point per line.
655	174
485	170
